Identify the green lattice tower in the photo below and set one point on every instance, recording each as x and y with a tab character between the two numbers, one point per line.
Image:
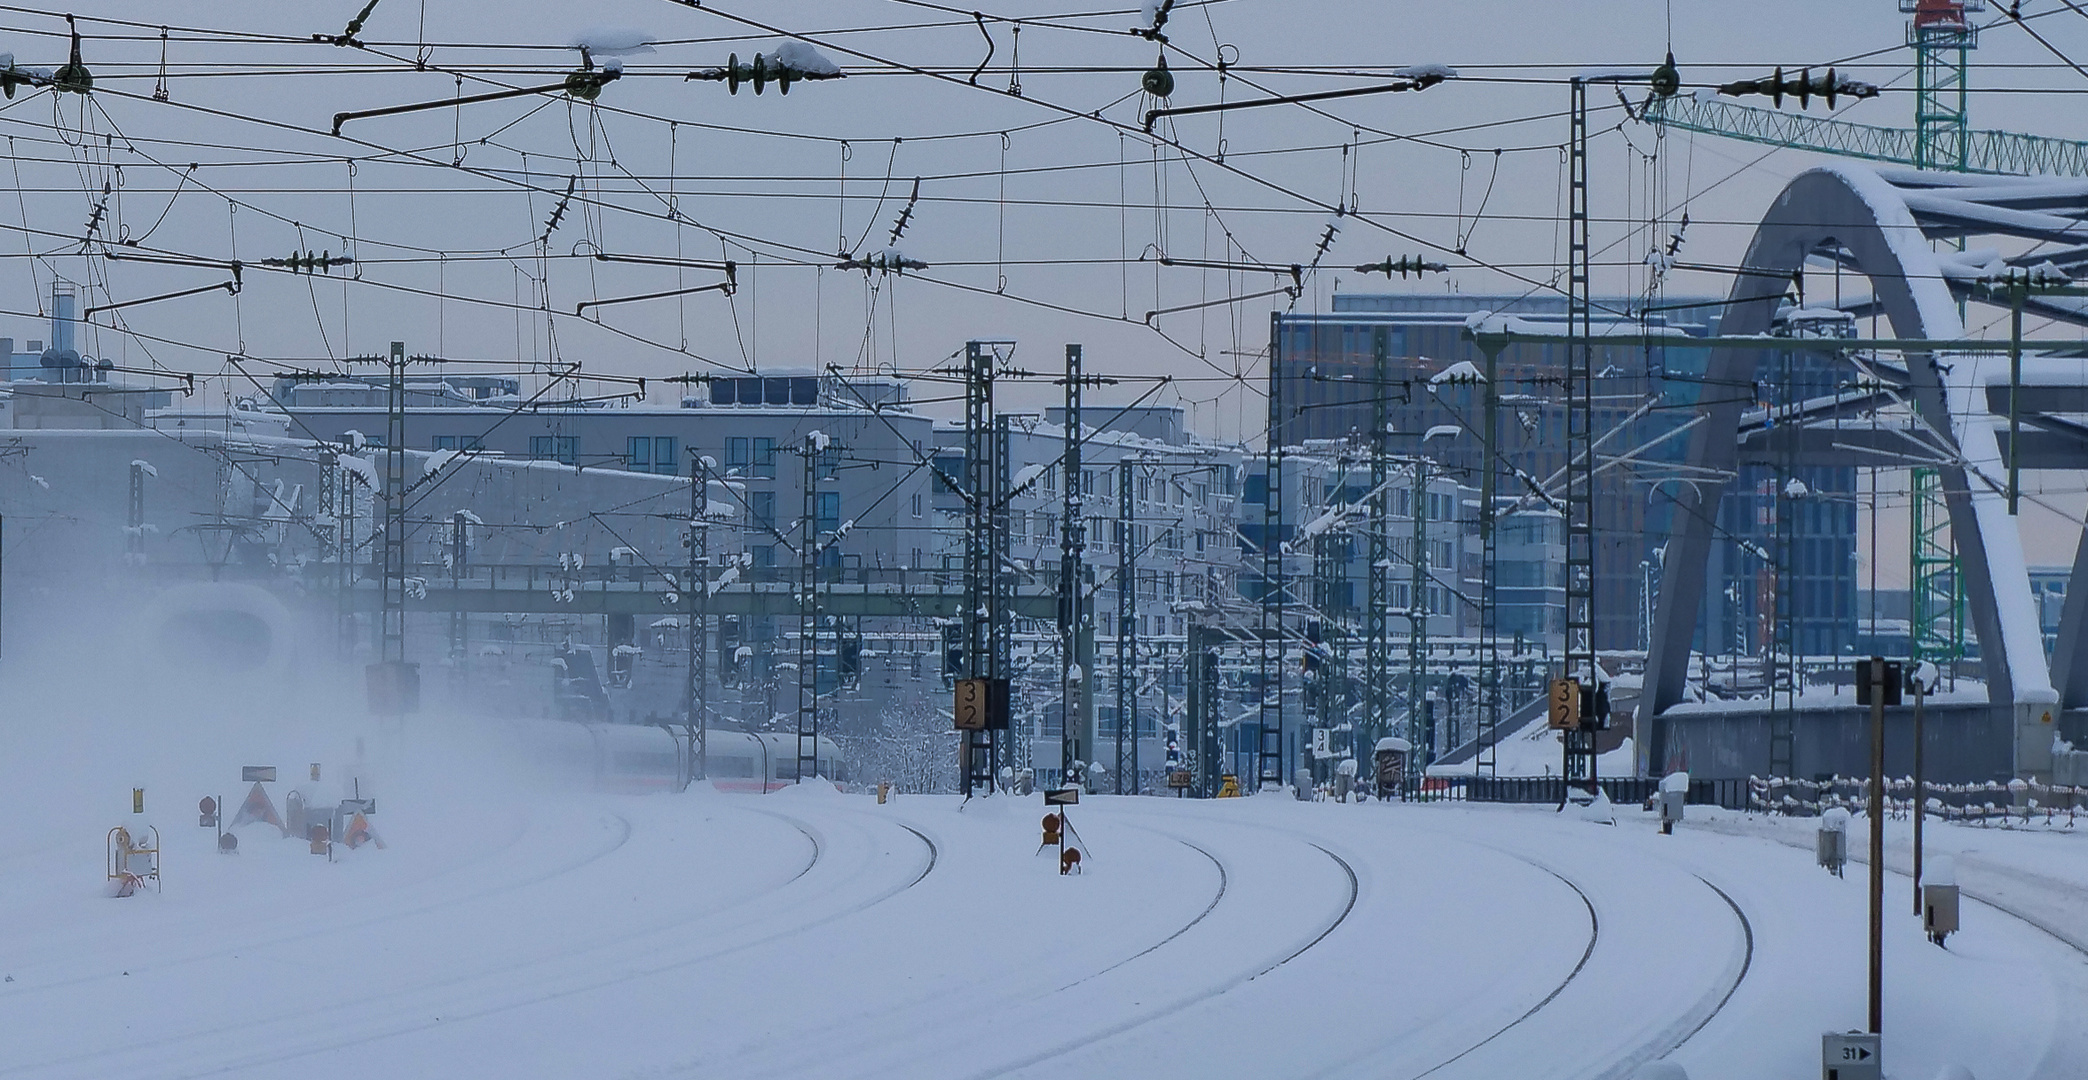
1942	51
1943	42
1936	605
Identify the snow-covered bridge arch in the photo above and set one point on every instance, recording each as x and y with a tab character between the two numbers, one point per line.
1867	222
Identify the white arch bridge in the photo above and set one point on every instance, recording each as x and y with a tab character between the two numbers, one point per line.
1950	404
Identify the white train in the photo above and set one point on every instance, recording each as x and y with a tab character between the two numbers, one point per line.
641	758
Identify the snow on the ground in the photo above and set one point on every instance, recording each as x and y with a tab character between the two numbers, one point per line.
521	932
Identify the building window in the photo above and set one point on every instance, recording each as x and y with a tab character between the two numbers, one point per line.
564	449
917	504
639	459
829	511
764	458
665	456
736	453
763	506
445	442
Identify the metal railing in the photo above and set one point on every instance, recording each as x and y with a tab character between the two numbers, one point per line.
1624	790
1991	801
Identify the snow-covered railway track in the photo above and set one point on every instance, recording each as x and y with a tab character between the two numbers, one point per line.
360	920
1088	1036
1594	935
1224	880
1600	898
2074	938
1687	1026
309	1027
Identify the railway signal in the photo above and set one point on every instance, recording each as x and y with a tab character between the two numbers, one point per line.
1057	828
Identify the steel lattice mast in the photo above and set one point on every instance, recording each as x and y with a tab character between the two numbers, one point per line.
1580	659
984	638
697	587
1942	42
1075	680
808	613
1268	765
1127	621
1377	614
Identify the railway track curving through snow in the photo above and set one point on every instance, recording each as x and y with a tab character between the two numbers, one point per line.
299	1034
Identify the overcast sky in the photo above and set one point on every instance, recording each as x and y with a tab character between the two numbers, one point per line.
1040	222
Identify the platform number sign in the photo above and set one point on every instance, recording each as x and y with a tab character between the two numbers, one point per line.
1850	1056
981	705
1565	705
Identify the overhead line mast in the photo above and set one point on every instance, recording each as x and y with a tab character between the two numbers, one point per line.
1268	766
1580	660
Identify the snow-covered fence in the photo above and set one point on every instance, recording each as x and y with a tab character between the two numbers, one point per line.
2018	802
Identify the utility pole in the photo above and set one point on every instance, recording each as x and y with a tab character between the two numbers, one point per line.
1127	620
1001	608
1202	708
1322	682
1879	691
1487	762
344	584
1074	678
1269	741
393	685
1580	660
1943	41
1417	618
1377	609
984	628
327	522
393	632
2016	292
697	702
460	626
134	533
809	553
1919	684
